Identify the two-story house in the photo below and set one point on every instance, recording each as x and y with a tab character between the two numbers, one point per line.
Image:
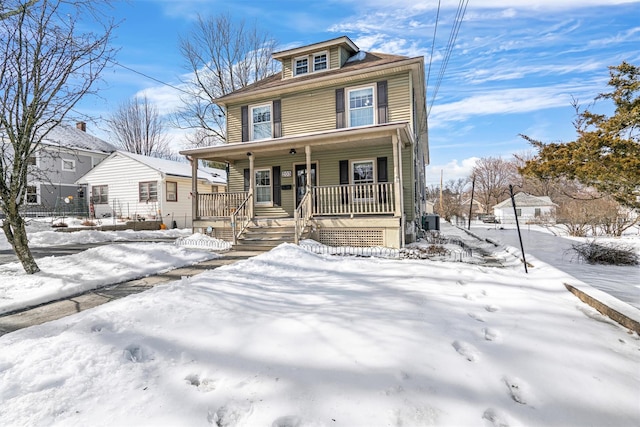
333	148
67	153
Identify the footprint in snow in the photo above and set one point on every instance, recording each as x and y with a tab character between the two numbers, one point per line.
467	350
476	317
491	308
135	353
287	421
490	334
517	389
202	384
495	418
230	414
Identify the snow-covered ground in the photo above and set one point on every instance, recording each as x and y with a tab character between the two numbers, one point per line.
553	246
291	338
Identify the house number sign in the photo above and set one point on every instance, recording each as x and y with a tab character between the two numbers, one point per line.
286	174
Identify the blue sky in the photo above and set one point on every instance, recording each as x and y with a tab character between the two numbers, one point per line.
514	69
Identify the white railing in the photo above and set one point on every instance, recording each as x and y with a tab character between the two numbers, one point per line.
354	199
302	215
219	204
244	213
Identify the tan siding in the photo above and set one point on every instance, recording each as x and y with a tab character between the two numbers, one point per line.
399	98
308	112
234	124
287	70
344	55
335	59
408	182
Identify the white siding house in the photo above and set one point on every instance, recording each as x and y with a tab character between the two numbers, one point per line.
528	208
127	185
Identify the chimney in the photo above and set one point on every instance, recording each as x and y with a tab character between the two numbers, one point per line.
82	126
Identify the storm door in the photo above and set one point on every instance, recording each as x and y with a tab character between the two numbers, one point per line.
301	180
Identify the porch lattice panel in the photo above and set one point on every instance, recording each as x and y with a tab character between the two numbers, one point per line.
351	237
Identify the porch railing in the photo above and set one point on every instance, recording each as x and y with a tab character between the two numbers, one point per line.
219	204
302	215
354	199
241	217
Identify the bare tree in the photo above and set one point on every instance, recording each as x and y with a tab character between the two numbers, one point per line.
47	65
493	176
138	128
222	56
11	9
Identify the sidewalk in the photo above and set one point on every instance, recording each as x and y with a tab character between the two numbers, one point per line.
75	304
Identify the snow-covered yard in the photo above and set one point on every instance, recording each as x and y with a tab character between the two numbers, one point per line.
291	338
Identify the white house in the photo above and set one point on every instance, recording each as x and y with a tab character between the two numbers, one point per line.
528	208
127	185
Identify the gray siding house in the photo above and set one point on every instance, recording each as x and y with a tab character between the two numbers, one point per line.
67	154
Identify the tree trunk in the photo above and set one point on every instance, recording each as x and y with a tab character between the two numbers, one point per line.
14	228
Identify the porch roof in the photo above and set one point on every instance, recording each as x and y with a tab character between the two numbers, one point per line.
319	141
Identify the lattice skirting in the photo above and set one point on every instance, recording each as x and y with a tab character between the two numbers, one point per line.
358	237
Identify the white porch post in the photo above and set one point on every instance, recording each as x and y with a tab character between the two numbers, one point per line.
401	184
396	178
252	183
194	189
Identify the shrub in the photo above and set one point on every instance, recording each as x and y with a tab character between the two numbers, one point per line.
606	253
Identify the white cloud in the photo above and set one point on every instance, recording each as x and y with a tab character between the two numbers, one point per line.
451	171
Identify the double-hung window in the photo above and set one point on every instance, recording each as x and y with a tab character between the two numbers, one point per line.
320	61
148	191
360	104
263	186
260	116
100	194
172	191
301	66
362	173
32	194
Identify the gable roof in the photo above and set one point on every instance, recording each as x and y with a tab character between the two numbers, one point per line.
71	137
526	201
166	167
355	64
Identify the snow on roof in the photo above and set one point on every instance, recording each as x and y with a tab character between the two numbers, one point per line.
526	200
72	137
174	168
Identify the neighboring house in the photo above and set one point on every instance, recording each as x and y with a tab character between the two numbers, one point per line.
127	185
334	148
476	210
65	155
528	208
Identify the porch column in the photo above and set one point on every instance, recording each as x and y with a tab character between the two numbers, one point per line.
194	189
396	177
402	215
252	183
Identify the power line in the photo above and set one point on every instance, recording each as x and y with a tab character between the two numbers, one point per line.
150	77
462	7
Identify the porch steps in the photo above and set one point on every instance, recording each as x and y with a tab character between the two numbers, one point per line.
264	235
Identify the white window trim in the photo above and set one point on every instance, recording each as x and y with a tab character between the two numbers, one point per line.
270	202
294	66
251	108
313	61
36	157
73	165
348	104
37	185
374	177
166	184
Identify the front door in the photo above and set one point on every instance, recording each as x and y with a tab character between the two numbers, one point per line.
301	180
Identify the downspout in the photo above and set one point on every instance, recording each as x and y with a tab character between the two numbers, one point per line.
307	152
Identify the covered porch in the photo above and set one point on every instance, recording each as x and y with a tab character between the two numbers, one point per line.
316	193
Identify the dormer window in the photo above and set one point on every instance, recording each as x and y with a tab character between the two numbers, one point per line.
301	66
320	61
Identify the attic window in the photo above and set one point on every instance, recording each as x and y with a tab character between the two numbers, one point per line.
301	66
320	61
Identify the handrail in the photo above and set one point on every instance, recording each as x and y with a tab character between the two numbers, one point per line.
219	204
302	215
355	199
244	211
